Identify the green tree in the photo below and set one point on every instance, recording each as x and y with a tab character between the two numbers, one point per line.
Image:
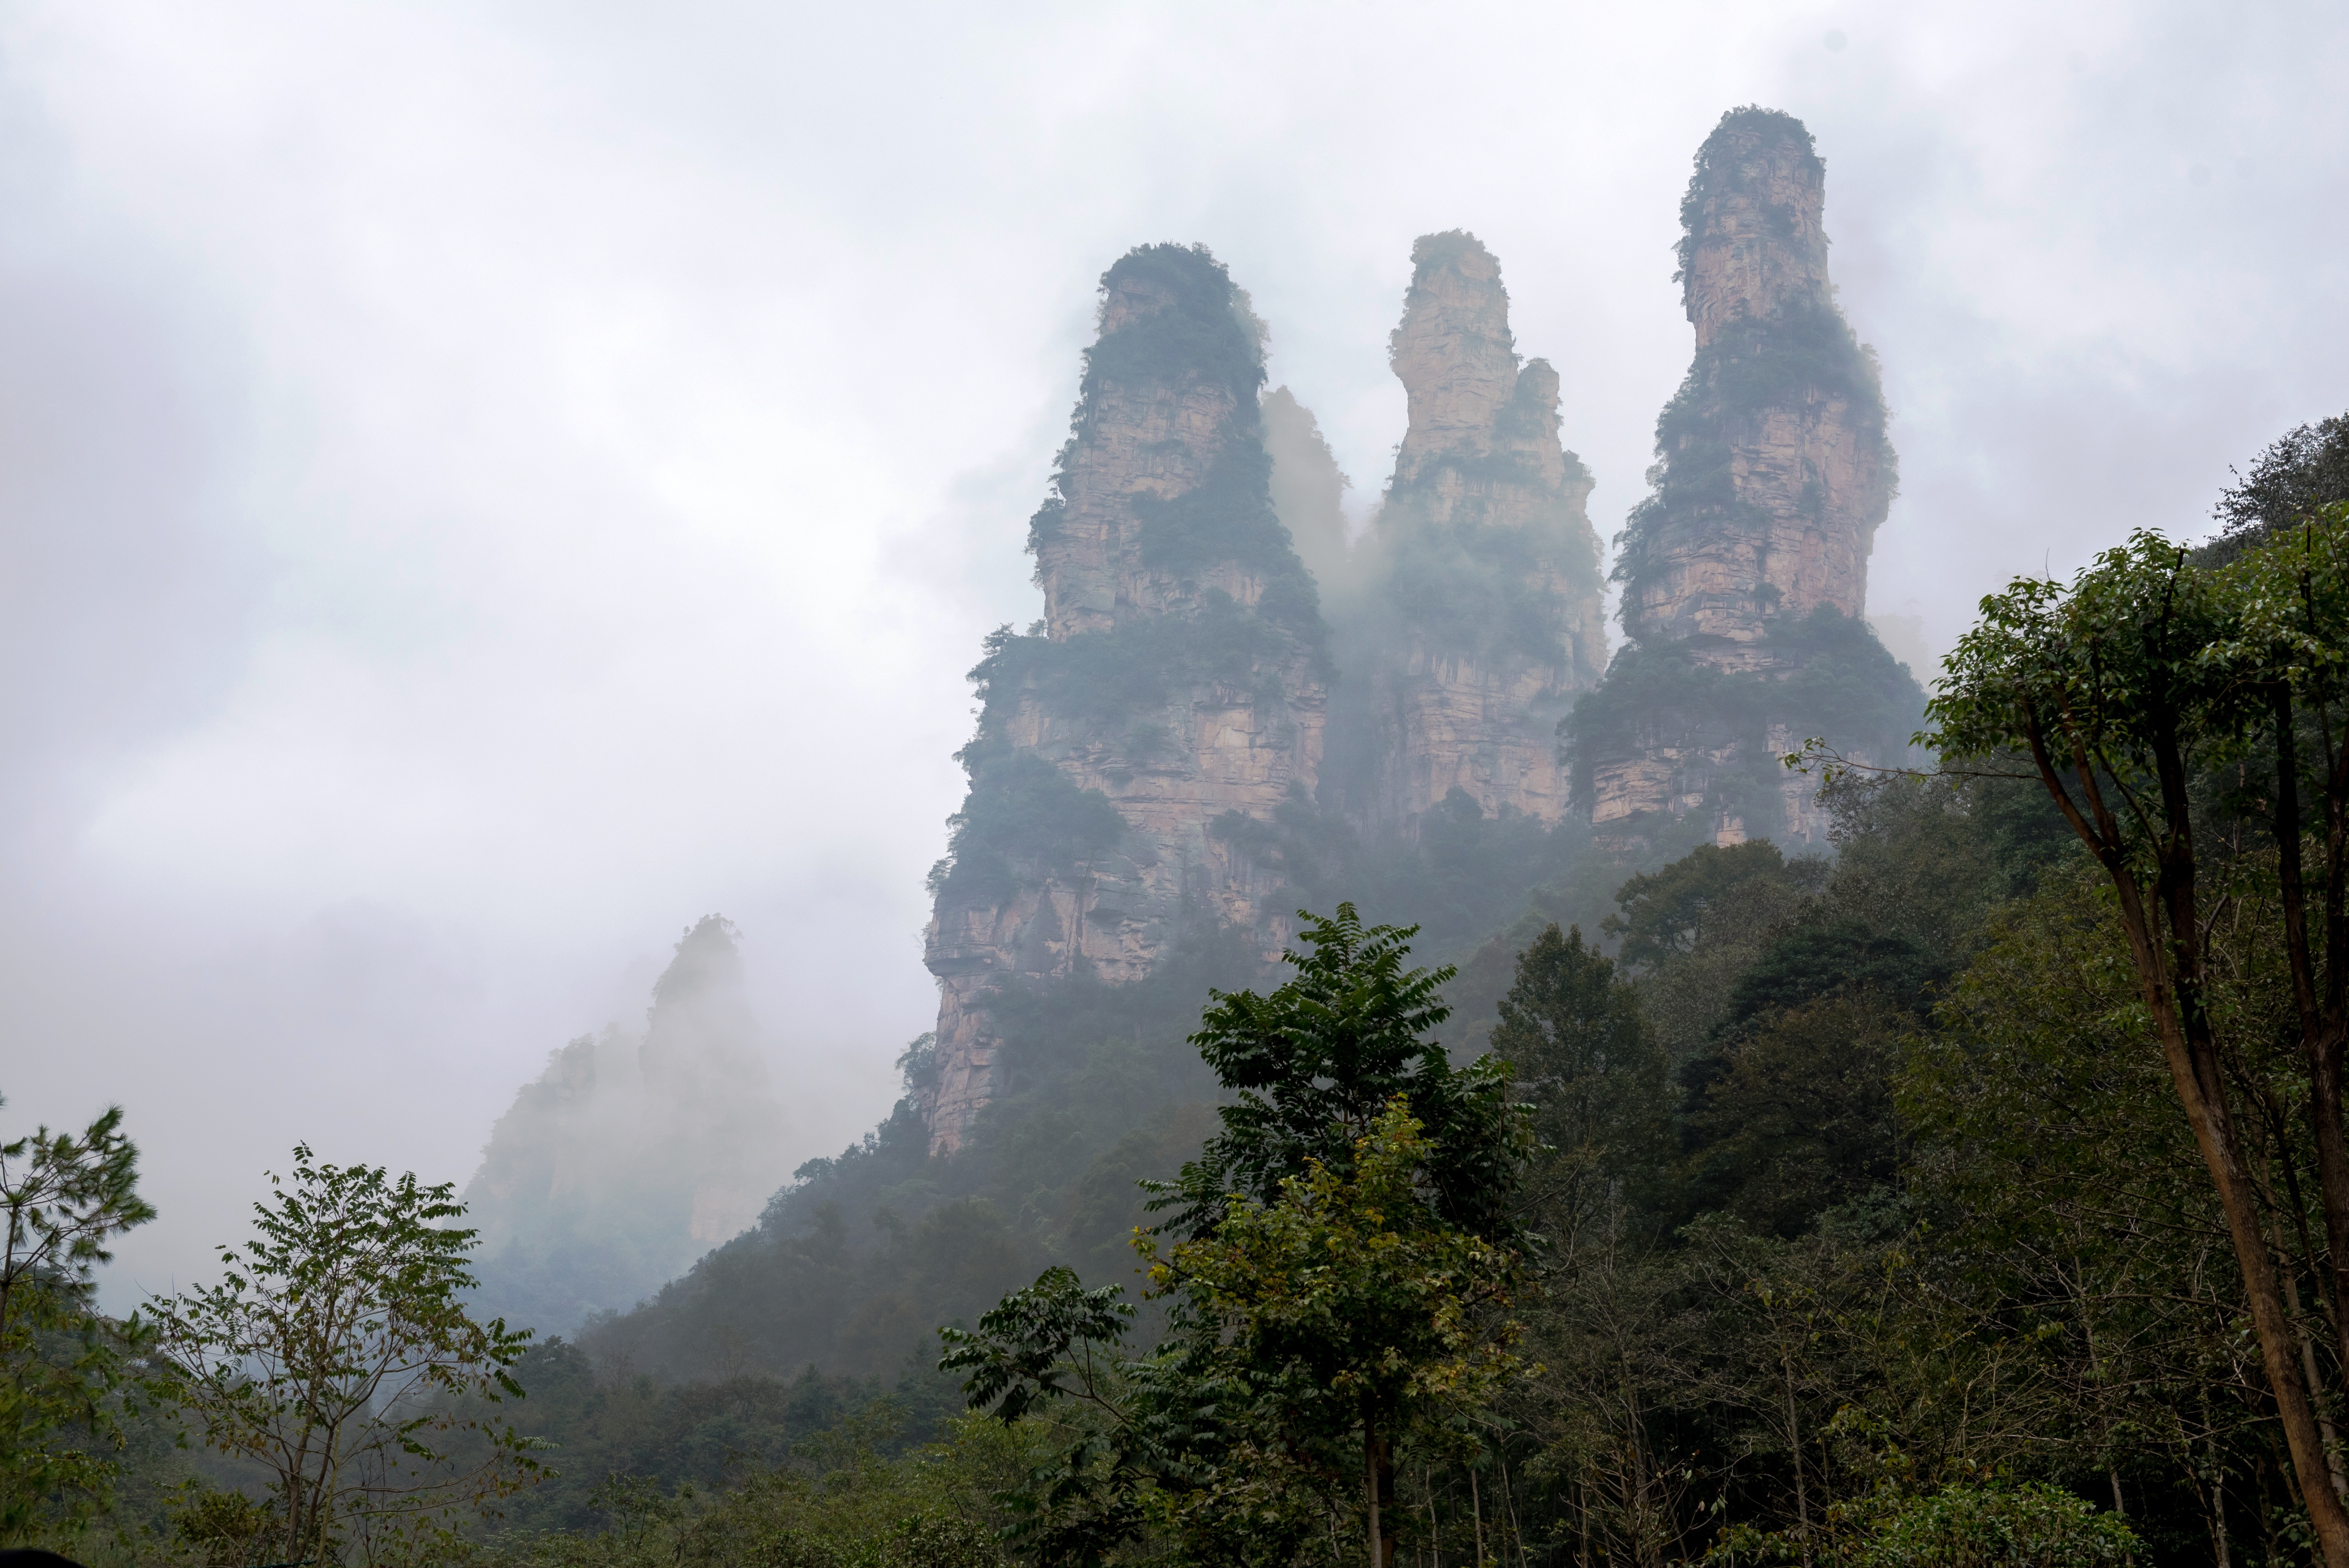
2283	672
60	1359
1661	913
1584	1057
2122	688
1355	1320
2061	1170
337	1353
2300	472
1341	1254
1314	1065
1798	1117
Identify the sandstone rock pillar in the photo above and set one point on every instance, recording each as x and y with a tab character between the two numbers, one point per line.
1482	615
1745	573
1179	675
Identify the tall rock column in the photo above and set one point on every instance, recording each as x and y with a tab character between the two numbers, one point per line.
1745	573
1179	674
1482	615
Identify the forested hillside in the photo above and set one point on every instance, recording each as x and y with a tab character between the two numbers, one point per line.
1861	1175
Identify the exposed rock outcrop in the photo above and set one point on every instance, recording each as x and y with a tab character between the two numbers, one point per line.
1483	615
1745	573
1179	675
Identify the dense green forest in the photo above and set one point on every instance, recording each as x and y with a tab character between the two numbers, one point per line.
1974	1194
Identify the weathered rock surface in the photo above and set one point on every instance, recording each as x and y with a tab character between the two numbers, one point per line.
1782	420
1752	550
1179	676
1484	615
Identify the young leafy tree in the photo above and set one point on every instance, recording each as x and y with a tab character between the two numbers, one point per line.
65	1198
336	1354
1352	1314
1342	1255
2121	688
1315	1064
1056	1350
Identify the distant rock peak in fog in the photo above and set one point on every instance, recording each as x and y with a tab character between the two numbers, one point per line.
637	1149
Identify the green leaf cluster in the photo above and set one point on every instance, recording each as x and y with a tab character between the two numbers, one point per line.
65	1367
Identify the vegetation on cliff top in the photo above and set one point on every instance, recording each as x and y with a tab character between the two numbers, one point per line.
1720	168
1802	355
1838	682
1197	331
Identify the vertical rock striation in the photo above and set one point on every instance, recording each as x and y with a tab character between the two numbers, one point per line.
1484	618
1179	676
1745	573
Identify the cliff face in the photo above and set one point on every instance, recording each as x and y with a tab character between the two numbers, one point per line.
1179	675
1483	618
1745	573
1777	468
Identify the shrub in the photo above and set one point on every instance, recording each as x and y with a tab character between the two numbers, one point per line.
2033	1525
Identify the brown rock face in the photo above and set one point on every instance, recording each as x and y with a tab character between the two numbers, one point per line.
1484	614
1179	676
1748	564
1778	468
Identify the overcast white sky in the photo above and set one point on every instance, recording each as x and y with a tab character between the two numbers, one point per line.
482	485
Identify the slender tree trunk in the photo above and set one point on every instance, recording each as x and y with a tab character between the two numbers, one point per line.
2218	1507
2096	1372
2200	1089
1509	1507
2170	970
1435	1534
1378	1482
2332	1455
2194	1068
1476	1513
1794	1452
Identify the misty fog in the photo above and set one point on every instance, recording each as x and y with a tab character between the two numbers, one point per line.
488	487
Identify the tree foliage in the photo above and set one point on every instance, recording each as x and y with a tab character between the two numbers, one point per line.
63	1365
1327	1297
336	1354
1314	1064
2121	686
